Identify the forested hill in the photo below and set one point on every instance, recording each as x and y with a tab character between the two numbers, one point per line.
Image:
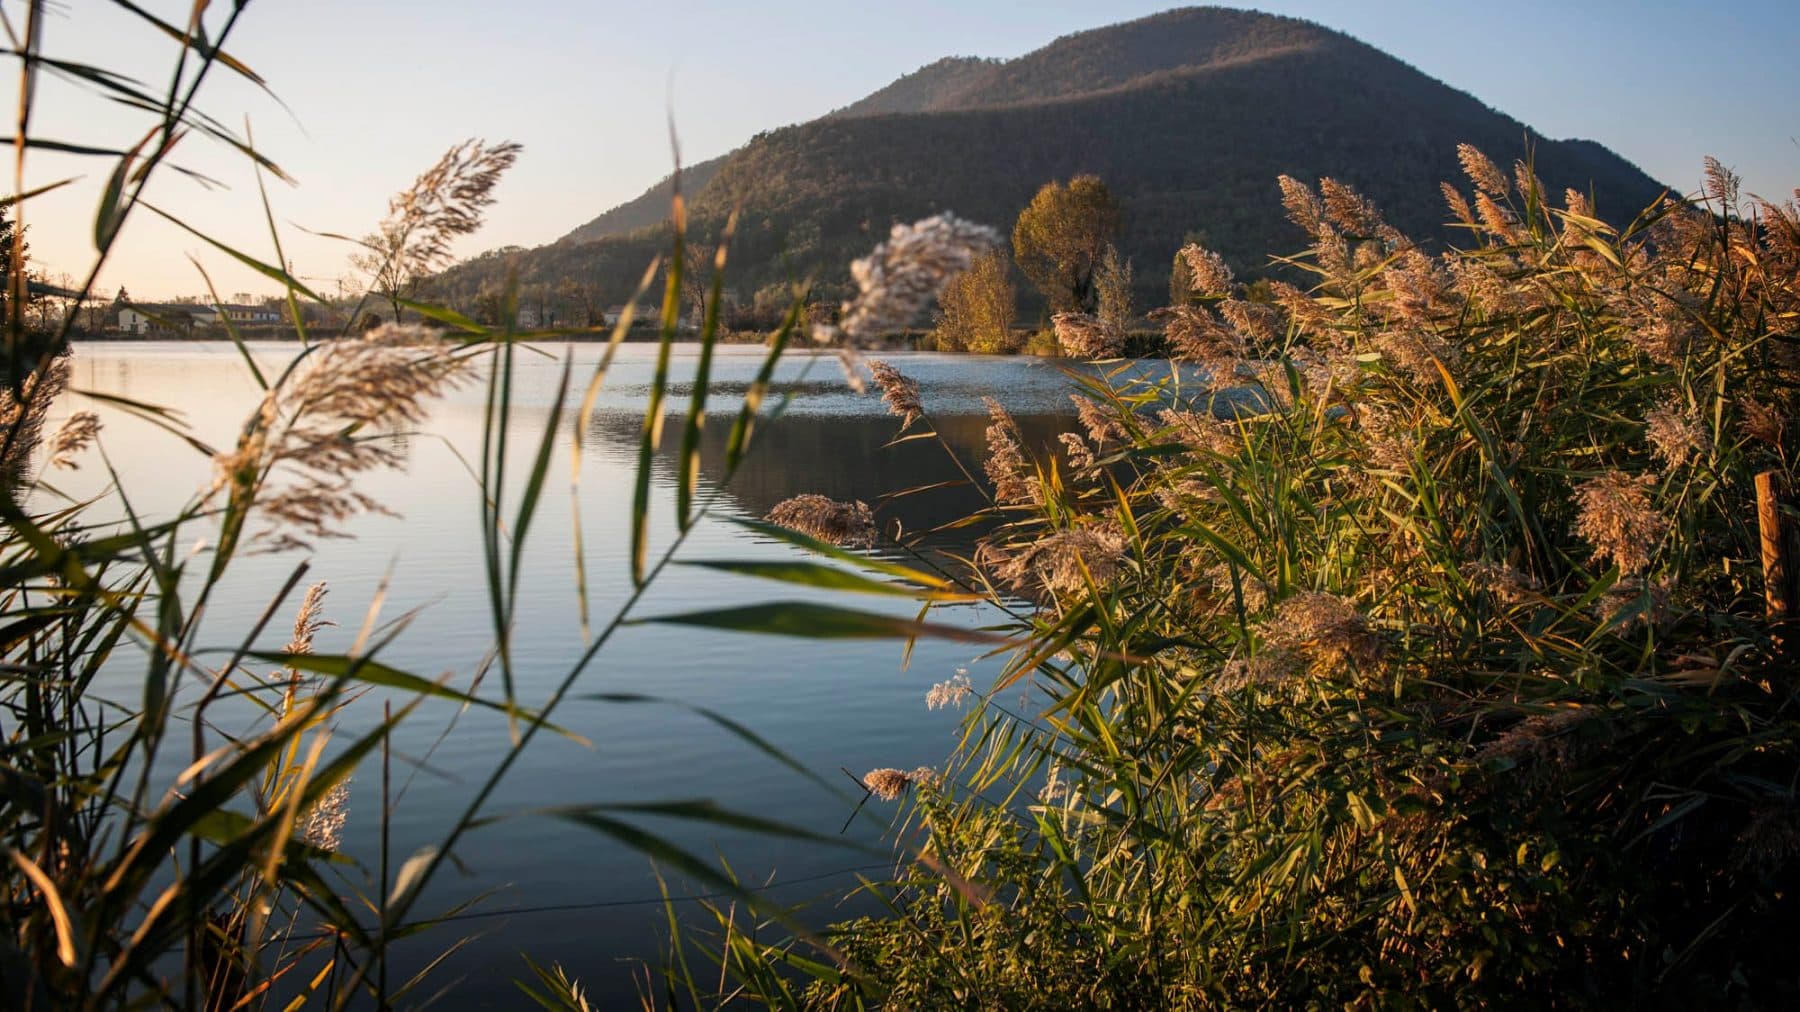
648	209
1189	116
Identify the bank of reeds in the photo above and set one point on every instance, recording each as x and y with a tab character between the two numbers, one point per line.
1407	643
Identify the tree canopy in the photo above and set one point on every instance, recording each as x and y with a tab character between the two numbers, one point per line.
1061	238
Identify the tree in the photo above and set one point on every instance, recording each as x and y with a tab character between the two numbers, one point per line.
445	202
13	247
977	307
1060	238
1112	289
580	296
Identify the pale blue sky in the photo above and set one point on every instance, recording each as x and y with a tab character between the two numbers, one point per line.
378	88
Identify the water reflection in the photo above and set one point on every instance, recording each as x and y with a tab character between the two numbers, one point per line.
830	705
853	456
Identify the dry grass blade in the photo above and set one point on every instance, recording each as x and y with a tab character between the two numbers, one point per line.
53	905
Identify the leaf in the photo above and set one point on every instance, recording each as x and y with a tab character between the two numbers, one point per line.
444	315
731	726
812	574
688	462
411	875
694	810
832	551
653	409
759	387
819	621
372	672
1406	893
59	914
274	274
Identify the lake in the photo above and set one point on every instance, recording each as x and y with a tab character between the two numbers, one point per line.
553	891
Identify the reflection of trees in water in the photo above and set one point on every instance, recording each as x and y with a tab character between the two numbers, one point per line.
846	457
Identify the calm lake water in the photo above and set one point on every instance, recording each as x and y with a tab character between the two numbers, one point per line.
555	892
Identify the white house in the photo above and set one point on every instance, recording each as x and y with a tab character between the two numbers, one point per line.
143	321
134	321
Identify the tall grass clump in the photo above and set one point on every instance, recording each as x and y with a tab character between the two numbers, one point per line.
1406	642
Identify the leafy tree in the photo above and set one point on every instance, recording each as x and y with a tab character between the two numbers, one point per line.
1060	238
1112	288
976	309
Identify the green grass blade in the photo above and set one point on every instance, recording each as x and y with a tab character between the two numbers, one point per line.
653	410
807	620
689	461
812	574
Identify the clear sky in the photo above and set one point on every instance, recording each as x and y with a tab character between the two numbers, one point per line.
375	90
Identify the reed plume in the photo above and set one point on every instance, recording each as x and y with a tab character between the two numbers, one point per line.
1616	518
850	524
899	393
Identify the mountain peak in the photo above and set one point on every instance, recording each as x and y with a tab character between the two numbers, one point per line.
1189	116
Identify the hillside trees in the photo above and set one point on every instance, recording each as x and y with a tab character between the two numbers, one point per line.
977	308
1060	239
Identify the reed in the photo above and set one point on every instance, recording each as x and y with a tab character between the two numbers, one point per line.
1402	643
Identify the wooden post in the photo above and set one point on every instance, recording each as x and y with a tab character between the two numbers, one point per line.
1774	548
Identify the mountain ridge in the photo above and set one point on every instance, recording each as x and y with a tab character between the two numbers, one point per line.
1189	116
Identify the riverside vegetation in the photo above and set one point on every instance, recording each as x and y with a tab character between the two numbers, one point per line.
1422	656
175	844
1406	642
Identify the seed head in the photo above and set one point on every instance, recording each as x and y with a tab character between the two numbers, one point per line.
1544	739
1272	668
1101	426
1762	422
1079	453
1202	431
1481	170
1195	334
1325	629
950	693
1061	563
1006	466
22	415
1506	584
74	436
1303	206
1207	271
887	783
1676	435
849	524
297	459
1082	335
324	825
1417	353
309	620
1615	516
900	394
